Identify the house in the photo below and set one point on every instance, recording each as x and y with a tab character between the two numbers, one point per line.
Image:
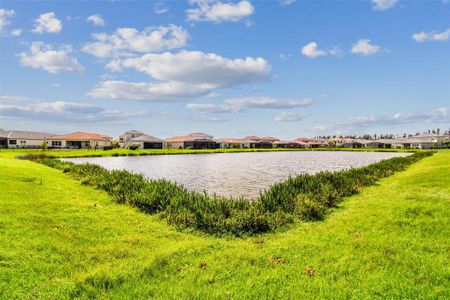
145	141
286	144
383	143
3	138
316	143
192	141
233	143
79	140
413	143
22	139
258	142
139	139
351	143
269	139
124	138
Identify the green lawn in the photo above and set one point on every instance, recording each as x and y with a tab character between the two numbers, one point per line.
60	239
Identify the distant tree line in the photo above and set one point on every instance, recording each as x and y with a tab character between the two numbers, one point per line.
375	136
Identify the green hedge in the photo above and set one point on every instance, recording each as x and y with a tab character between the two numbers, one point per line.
304	197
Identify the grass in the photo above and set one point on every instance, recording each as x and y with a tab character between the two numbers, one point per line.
62	239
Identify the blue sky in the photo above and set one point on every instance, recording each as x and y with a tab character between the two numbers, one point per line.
228	68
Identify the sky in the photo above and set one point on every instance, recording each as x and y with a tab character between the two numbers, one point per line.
227	68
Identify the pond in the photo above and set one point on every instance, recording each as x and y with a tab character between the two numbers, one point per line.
237	174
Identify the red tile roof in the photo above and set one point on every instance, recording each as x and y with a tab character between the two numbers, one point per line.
270	139
180	138
233	141
81	136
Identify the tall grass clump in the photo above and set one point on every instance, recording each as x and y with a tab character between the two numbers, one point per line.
303	197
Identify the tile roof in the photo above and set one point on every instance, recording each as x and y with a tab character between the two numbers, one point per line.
270	138
134	132
29	135
145	138
234	141
82	136
189	138
252	137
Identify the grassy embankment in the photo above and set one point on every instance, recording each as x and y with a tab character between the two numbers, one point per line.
61	239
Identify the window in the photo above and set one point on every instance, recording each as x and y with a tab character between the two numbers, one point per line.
13	142
56	143
23	142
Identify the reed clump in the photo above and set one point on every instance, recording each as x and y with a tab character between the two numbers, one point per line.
302	197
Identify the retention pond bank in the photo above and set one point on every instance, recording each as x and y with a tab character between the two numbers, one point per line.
237	174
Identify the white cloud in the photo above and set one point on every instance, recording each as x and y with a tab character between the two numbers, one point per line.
216	11
46	57
160	8
383	4
312	50
365	47
5	16
204	69
289	116
147	91
8	98
96	20
125	41
241	104
285	56
432	36
66	112
287	2
213	108
114	65
16	32
182	75
268	102
47	23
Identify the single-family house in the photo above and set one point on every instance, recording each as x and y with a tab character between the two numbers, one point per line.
140	140
3	138
286	144
270	139
191	141
413	143
369	143
258	142
79	140
124	138
145	141
384	143
233	143
22	139
317	143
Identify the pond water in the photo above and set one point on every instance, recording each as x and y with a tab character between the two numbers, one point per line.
237	174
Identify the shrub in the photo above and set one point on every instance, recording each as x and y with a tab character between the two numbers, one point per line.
133	146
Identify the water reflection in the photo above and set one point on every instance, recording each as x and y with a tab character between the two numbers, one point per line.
237	174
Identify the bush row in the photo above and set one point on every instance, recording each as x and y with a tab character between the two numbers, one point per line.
304	197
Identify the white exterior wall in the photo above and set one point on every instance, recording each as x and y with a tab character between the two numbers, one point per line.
100	144
25	143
